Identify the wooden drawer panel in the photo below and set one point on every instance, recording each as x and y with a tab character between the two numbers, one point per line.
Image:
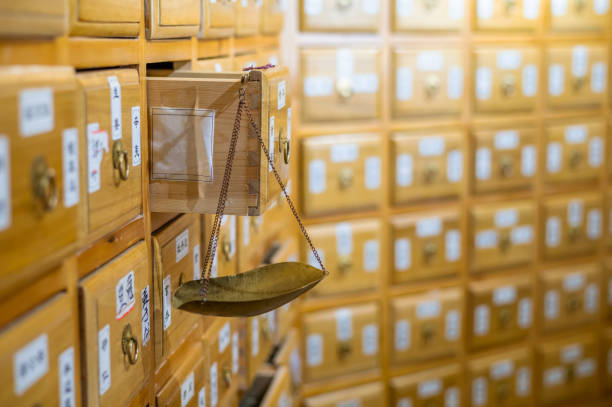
502	235
426	326
272	16
441	15
587	15
41	154
117	333
247	17
503	379
572	225
521	15
341	341
173	18
338	15
226	260
568	369
577	75
352	253
222	342
499	311
428	165
279	391
505	79
606	288
260	335
218	18
33	18
289	356
105	18
570	297
114	154
607	359
39	363
365	395
504	159
426	245
340	84
245	61
341	173
437	387
187	384
213	65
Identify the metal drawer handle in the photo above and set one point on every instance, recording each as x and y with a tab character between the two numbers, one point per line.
284	146
505	243
575	159
429	251
345	178
579	82
129	345
573	304
44	185
429	333
431	171
579	5
432	84
344	87
430	4
344	4
227	376
120	160
505	316
507	85
226	248
344	349
506	167
344	264
574	234
510	6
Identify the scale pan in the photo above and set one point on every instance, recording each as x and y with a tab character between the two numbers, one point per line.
248	294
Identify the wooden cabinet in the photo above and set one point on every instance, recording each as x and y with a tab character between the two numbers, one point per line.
428	16
105	18
218	18
33	18
222	346
437	387
261	336
188	382
339	15
365	395
507	15
579	16
173	18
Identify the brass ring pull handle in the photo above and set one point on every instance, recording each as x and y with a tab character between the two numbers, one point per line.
510	6
129	345
573	304
432	84
345	178
431	171
286	145
226	248
574	233
44	185
428	333
579	82
120	160
226	372
502	392
505	316
506	167
429	4
579	5
344	87
265	332
505	243
508	86
344	4
344	264
575	159
344	349
569	373
429	251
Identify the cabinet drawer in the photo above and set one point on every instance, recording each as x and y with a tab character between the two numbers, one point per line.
434	387
500	311
271	56
427	166
218	18
577	75
427	82
105	18
41	199
289	356
279	391
173	18
339	15
426	326
568	369
607	359
114	151
226	260
176	259
116	331
365	395
502	235
425	245
521	15
260	335
187	384
504	159
244	61
440	15
222	340
503	379
606	288
247	17
570	296
572	225
39	364
341	173
271	17
574	152
213	65
587	15
505	79
33	18
352	253
340	84
340	341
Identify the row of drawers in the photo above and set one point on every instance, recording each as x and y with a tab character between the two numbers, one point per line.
345	83
564	370
522	16
164	19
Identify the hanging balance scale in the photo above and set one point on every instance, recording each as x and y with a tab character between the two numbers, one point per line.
258	290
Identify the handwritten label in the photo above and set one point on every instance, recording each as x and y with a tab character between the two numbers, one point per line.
479	391
486	239
344	239
580	61
428	309
428	227
528	160
5	183
235	352
167	303
429	388
182	245
271	147
136	149
484	79
146	315
124	295
36	111
523	381
481	320
30	363
402	335
115	107
454	80
187	389
318	86
344	324
104	363
551	304
372	173
403	170
214	385
553	231
196	262
254	336
344	153
202	397
404	84
66	378
371	250
369	340
224	337
506	140
314	350
529	80
502	369
70	166
452	245
403	254
504	295
281	94
524	312
431	146
316	176
97	144
556	79
452	325
483	163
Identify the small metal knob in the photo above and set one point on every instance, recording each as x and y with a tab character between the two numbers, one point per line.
121	163
284	146
505	316
344	264
580	5
573	304
345	178
575	159
344	87
579	82
431	171
344	4
226	248
344	349
432	84
129	345
570	373
429	251
506	167
574	234
508	86
504	242
510	6
44	185
226	373
428	333
430	4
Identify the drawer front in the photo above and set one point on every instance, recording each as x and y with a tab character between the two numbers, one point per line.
434	387
245	61
213	65
365	395
587	15
427	166
272	17
502	235
577	75
220	14
179	13
41	197
177	259
340	84
427	82
341	172
606	289
440	15
339	15
500	311
503	379
247	17
187	384
568	369
117	328
279	133
425	245
114	148
521	15
49	15
260	338
279	392
426	326
226	261
572	225
607	359
352	253
570	296
39	363
108	11
223	340
341	341
505	79
574	152
289	355
504	159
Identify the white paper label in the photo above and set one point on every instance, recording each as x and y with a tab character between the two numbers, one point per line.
318	86
528	161
556	79
404	86
30	363
254	336
430	61
271	147
369	340
598	77
313	7
454	166
145	316
97	144
452	325
553	231
365	83
344	63
504	295
481	320
344	239
182	245
574	213
571	353
452	245
404	401
316	176
591	298
455	82
523	381
167	302
429	388
595	152
403	170
428	309
125	295
136	149
404	8
451	397
484	9
402	335
529	77
576	134
371	250
509	59
281	94
524	312
314	350
187	390
580	61
70	166
196	262
431	146
506	140
214	385
66	378
5	183
573	282
479	391
551	304
486	239
601	6
224	337
428	227
372	173
235	352
521	235
344	324
456	12
403	254
115	107
104	363
558	8
36	111
594	224
370	6
554	376
531	9
344	153
586	368
505	218
202	397
554	152
502	369
483	163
